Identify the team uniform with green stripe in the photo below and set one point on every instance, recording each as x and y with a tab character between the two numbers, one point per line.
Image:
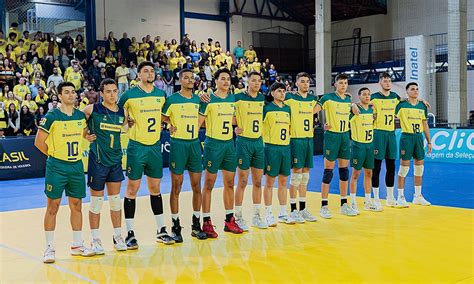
105	154
302	133
64	168
276	135
249	144
185	152
362	130
411	120
385	143
336	143
219	149
144	147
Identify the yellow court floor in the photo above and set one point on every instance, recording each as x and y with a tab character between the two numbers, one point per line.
418	244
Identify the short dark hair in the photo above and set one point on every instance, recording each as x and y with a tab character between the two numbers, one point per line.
21	40
106	81
185	70
384	75
301	75
220	71
341	76
254	73
275	86
363	89
65	84
143	64
40	88
411	84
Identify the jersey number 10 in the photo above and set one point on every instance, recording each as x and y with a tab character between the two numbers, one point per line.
72	149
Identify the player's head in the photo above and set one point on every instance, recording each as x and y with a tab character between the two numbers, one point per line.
186	78
67	93
146	72
341	82
385	81
254	81
222	78
412	90
277	90
109	91
302	82
364	95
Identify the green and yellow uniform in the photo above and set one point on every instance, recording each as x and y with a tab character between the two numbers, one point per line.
336	143
362	132
301	129
411	120
144	147
64	169
385	144
185	152
276	135
219	150
75	78
21	91
249	144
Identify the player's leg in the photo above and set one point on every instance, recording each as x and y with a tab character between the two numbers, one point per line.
353	186
242	181
195	179
327	177
419	156
97	200
77	247
406	154
357	158
228	196
343	186
115	204
268	198
209	181
303	187
257	221
49	224
176	185
297	159
390	156
156	202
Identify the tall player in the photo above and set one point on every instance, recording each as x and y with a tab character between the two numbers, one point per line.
60	137
302	106
144	107
362	154
336	144
276	135
250	150
413	116
219	151
105	121
182	111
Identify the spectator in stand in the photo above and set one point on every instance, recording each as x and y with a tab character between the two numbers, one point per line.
238	51
121	76
123	45
40	114
132	56
168	77
75	76
34	87
250	54
13	121
56	78
41	99
27	121
195	55
79	40
80	54
110	59
30	103
133	70
21	89
12	99
3	120
272	73
112	44
160	83
185	45
67	43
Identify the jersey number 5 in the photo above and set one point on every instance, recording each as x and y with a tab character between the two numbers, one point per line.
225	126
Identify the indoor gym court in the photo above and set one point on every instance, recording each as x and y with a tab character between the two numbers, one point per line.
416	244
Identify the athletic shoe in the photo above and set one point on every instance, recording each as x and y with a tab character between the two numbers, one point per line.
176	232
82	251
325	213
270	219
371	206
163	237
49	255
96	247
239	220
119	243
232	227
197	233
354	207
420	200
378	205
295	215
286	219
208	229
257	222
390	202
401	202
348	211
307	215
131	241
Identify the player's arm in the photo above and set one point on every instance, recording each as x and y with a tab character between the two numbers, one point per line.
88	111
317	108
426	130
40	141
201	122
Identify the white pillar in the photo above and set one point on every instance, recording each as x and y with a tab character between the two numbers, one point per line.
236	32
323	46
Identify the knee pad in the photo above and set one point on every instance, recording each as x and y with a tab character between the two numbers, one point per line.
114	202
295	179
327	176
96	204
403	171
344	174
418	170
305	179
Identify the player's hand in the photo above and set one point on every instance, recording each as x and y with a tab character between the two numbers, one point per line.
238	130
355	109
173	129
327	126
130	122
205	97
429	148
90	137
425	102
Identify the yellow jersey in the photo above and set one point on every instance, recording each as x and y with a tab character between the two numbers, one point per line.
362	125
21	91
384	107
276	124
411	116
336	111
184	115
219	113
301	114
249	114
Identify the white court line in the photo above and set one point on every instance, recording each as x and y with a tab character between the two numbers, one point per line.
62	269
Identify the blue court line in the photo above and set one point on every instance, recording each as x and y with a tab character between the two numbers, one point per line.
443	184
